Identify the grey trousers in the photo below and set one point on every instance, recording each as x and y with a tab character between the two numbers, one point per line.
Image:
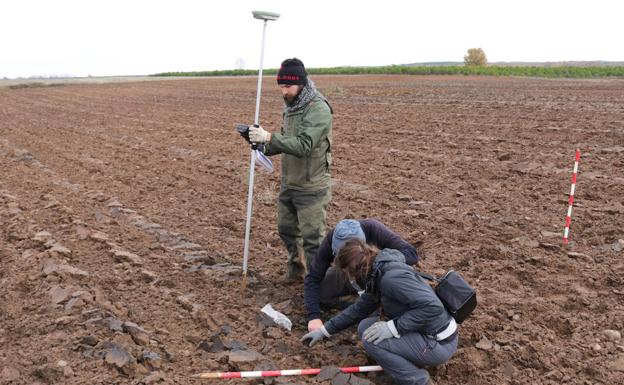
404	358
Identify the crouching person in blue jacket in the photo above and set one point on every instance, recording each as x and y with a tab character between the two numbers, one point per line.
418	332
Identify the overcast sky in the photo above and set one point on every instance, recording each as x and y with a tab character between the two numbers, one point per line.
133	37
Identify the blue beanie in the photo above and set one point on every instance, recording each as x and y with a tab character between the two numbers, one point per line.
346	229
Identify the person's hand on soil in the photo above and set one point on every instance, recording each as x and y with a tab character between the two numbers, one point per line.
259	135
314	324
316	336
378	332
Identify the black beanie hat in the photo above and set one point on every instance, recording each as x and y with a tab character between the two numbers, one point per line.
292	71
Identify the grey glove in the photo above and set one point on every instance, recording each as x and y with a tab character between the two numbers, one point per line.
316	335
378	332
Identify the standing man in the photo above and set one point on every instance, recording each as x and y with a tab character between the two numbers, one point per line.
324	285
305	142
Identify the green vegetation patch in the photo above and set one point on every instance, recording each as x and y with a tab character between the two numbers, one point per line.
547	72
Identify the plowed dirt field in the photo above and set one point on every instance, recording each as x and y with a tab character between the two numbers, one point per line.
122	217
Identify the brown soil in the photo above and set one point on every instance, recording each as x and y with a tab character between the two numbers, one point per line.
141	188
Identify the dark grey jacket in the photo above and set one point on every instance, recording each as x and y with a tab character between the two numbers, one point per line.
376	233
405	297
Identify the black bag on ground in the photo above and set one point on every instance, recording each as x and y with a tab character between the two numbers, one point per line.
458	297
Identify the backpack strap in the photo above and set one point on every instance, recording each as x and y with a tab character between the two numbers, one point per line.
427	276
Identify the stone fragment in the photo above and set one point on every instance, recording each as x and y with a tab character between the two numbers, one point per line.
273	333
27	254
341	379
185	301
68	371
50	266
199	256
484	344
89	340
355	380
148	276
9	375
327	373
281	347
42	237
14	208
114	203
612	335
82	232
618	364
73	302
126	256
117	355
186	245
243	359
235	345
532	243
113	324
59	250
49	243
98	236
508	369
549	246
151	359
138	334
264	320
154	378
213	345
59	294
65	320
414	213
575	255
48	373
51	204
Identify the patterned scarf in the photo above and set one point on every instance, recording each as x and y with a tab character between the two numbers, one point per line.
308	93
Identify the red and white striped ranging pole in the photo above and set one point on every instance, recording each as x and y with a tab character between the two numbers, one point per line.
290	372
568	218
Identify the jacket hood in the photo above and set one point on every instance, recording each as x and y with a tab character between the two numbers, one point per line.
389	255
385	258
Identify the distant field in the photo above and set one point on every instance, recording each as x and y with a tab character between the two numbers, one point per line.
575	72
531	71
55	82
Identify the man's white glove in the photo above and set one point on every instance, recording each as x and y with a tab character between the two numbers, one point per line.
258	135
316	335
380	331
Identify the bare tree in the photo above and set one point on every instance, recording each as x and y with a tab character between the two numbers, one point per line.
475	57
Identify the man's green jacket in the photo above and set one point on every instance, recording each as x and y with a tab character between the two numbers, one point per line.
305	141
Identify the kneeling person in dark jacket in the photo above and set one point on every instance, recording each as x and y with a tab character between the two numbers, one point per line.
325	285
419	331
